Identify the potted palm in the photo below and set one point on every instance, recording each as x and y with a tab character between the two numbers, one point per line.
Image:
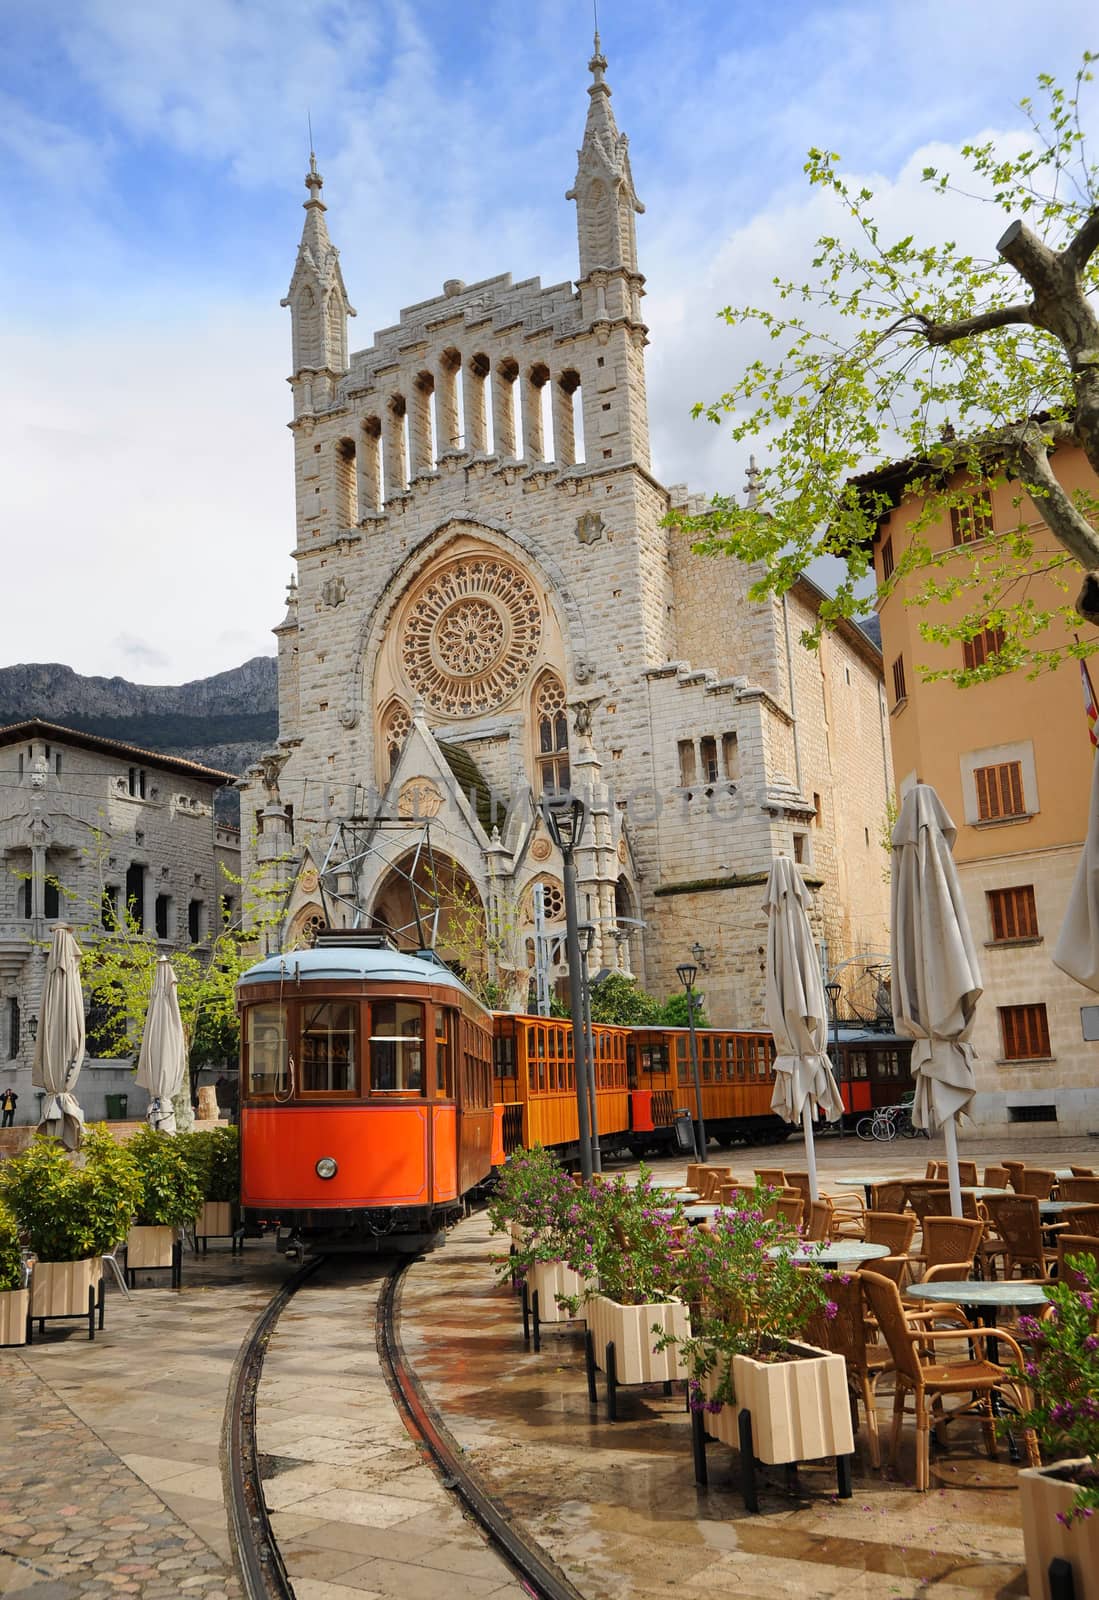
169	1199
754	1291
71	1211
14	1294
1061	1375
214	1156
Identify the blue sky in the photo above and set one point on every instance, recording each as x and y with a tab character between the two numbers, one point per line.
154	152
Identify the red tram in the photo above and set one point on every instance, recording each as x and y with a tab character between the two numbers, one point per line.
366	1094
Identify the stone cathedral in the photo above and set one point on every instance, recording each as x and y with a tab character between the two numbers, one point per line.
491	603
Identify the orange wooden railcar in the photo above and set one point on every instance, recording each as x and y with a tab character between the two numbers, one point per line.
366	1095
535	1082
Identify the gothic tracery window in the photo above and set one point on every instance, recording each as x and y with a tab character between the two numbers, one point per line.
551	734
395	730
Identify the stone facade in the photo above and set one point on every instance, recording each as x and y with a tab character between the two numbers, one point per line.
82	818
488	603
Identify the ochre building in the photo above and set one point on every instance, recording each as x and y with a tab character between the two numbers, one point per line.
490	604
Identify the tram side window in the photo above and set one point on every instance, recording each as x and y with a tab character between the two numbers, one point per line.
328	1064
505	1056
444	1058
397	1047
857	1064
683	1065
267	1050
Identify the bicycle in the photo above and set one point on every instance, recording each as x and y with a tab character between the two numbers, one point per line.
882	1125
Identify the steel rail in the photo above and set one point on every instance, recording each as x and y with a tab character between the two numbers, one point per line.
259	1562
533	1566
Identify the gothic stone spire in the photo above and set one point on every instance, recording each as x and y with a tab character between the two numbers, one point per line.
606	200
319	306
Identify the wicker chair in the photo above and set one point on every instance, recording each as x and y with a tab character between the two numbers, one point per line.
848	1214
789	1206
1018	1226
888	1196
949	1246
967	1173
773	1177
800	1182
1075	1244
1037	1181
896	1268
1079	1189
997	1177
1015	1171
893	1228
818	1219
1082	1172
1085	1221
917	1194
727	1192
930	1382
710	1181
933	1169
845	1335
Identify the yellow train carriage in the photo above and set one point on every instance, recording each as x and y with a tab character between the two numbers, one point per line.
535	1081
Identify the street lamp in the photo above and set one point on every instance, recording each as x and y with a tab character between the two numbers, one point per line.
32	1028
586	936
833	990
565	816
687	973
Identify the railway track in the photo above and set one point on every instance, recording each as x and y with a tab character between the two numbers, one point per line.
259	1562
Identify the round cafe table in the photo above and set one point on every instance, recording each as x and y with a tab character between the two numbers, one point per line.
831	1252
865	1181
979	1190
1058	1208
980	1298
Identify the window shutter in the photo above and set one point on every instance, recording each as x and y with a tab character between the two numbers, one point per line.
1025	1032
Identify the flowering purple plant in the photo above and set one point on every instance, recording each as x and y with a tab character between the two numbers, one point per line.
536	1194
627	1239
1061	1371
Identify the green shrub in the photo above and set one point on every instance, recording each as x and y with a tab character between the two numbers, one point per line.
68	1211
170	1194
214	1156
11	1255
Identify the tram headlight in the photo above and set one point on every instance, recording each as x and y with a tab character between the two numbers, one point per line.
326	1167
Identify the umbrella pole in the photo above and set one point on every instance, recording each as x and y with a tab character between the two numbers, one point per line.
950	1134
811	1149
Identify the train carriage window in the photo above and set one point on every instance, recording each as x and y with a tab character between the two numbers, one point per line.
444	1059
266	1043
682	1061
396	1047
328	1053
857	1064
504	1056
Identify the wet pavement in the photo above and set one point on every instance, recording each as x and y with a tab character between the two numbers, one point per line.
110	1463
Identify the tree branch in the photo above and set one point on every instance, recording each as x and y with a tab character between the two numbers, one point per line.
1080	250
1004	317
1070	527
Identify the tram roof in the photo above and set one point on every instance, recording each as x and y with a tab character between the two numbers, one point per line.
344	961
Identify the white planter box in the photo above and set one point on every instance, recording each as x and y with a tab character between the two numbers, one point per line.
14	1304
800	1409
149	1247
548	1279
1041	1497
630	1329
60	1288
215	1220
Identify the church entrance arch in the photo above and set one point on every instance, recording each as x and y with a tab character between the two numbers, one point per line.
432	903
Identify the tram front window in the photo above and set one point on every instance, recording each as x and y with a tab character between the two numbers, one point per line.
328	1048
267	1052
397	1047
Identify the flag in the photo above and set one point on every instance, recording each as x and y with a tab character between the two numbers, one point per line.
1091	709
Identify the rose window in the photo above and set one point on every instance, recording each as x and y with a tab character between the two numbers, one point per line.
470	636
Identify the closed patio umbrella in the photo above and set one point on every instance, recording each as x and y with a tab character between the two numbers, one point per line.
796	1010
936	979
1077	951
163	1057
59	1046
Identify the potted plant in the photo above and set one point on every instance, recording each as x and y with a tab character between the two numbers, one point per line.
71	1211
168	1199
537	1204
627	1243
14	1294
214	1156
754	1290
1061	1373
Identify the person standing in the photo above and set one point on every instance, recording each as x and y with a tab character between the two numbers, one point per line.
8	1102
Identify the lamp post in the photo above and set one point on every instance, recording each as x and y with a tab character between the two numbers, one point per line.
687	974
586	935
833	990
565	817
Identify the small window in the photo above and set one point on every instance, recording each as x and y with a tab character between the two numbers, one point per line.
553	735
799	848
136	782
396	1047
730	755
57	763
976	651
328	1057
51	899
194	921
971	521
900	690
687	769
1046	1113
1025	1031
1013	914
887	560
13	1028
26	895
708	751
1000	791
266	1045
817	810
163	907
135	895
